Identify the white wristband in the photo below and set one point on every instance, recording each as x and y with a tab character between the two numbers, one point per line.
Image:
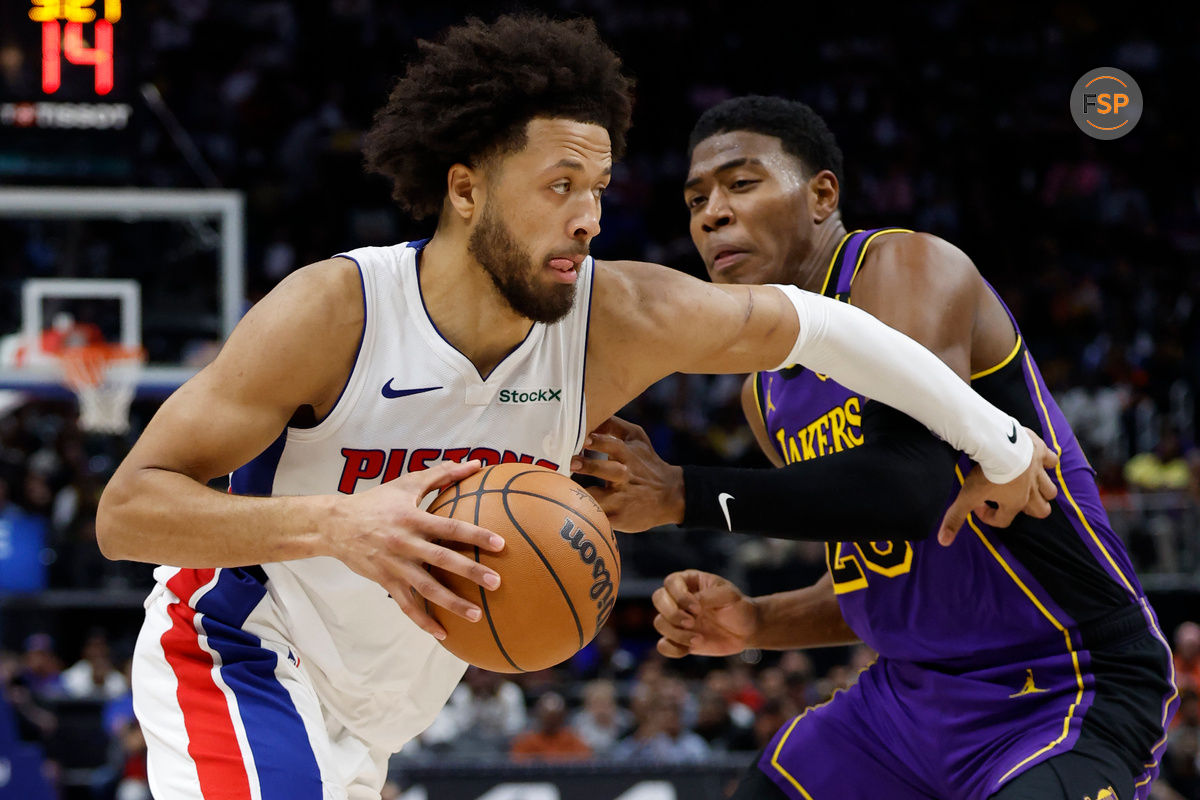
866	356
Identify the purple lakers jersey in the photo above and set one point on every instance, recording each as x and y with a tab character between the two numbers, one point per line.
1027	586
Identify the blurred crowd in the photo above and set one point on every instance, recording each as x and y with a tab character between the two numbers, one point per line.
81	716
1094	245
617	700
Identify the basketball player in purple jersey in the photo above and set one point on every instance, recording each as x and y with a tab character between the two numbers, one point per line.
1018	664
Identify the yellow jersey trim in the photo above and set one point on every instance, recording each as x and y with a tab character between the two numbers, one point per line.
863	253
1062	483
1061	628
1158	634
837	251
782	739
1016	349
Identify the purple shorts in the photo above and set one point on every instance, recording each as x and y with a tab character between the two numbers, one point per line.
909	732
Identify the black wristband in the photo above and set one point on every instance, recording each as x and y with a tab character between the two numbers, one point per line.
895	486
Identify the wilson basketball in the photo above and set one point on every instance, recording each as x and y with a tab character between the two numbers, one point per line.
559	569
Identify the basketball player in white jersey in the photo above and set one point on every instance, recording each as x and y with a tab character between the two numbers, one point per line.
286	652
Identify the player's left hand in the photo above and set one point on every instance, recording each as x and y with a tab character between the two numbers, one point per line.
997	505
641	490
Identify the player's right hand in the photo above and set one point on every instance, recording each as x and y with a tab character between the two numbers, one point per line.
997	505
382	534
702	614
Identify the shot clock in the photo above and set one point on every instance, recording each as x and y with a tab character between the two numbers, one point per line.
67	90
62	24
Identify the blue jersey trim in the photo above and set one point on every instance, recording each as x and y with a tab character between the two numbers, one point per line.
257	476
362	335
587	332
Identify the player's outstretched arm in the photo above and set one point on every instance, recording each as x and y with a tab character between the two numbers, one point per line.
654	321
908	472
296	347
703	614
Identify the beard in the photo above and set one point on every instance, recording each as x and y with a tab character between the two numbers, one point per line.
514	273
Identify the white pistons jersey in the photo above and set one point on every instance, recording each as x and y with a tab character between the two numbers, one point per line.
411	401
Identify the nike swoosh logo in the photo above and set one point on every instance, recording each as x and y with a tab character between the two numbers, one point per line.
1012	437
723	500
389	392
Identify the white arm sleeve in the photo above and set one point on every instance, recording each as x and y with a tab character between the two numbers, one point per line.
865	355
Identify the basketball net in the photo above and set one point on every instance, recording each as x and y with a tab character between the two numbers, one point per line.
104	377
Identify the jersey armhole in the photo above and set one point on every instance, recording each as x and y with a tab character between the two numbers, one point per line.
760	407
319	426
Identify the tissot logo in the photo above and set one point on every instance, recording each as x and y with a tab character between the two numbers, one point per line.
530	395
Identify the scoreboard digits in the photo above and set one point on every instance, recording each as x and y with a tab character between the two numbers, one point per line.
64	38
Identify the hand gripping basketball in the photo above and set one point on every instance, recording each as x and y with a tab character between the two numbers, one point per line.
561	568
382	534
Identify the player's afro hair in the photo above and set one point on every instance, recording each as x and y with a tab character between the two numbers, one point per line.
469	95
801	131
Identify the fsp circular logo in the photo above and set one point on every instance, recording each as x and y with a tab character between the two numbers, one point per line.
1106	103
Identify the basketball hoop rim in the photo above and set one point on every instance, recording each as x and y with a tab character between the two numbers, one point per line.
84	366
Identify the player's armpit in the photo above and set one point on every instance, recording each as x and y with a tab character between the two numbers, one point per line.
752	408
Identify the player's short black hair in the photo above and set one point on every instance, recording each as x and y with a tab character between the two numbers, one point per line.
801	130
469	95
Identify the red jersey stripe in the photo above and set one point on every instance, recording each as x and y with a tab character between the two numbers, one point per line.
212	740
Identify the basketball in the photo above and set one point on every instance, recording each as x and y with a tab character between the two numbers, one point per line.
559	569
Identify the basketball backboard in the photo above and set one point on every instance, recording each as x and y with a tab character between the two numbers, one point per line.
158	269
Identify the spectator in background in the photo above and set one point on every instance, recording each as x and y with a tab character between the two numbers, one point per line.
772	682
34	723
41	670
743	685
1165	468
550	739
861	657
95	675
134	782
770	718
118	710
601	721
661	737
716	725
1187	655
604	657
720	682
21	566
801	691
483	714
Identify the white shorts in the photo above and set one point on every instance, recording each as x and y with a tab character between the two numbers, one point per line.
228	710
